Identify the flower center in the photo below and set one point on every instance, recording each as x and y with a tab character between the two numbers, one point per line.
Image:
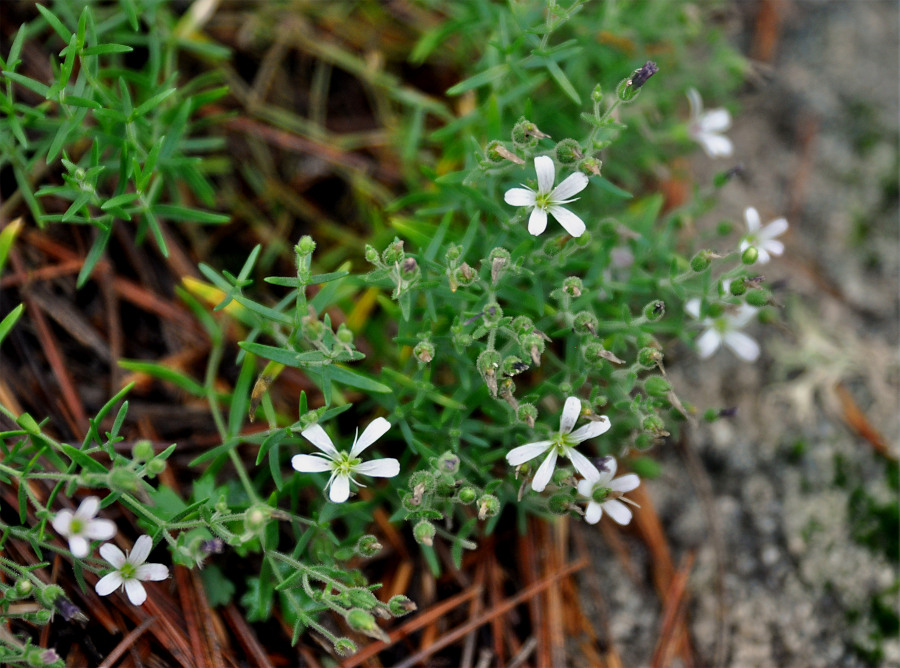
127	571
345	465
600	494
542	200
76	526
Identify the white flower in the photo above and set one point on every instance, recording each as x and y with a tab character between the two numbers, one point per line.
604	493
130	570
763	238
563	444
548	199
705	128
725	329
343	465
80	527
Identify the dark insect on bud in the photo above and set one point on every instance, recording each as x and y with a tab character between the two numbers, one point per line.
640	76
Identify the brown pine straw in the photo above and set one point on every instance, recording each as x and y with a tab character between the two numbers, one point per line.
673	614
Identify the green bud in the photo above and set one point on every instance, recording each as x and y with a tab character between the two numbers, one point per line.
723	229
533	345
525	134
598	400
467	495
488	506
34	656
714	310
424	351
368	546
701	261
423	480
123	480
494	152
585	323
312	328
750	255
453	254
657	386
561	475
584	240
711	415
222	506
361	597
344	647
394	253
593	353
400	605
522	325
256	518
305	246
371	255
597	93
653	424
24	587
448	462
48	595
499	260
654	310
361	620
492	314
526	413
568	152
464	275
142	451
488	364
155	467
512	366
565	387
648	357
344	334
767	315
424	533
573	286
409	269
590	166
600	494
758	297
558	504
738	286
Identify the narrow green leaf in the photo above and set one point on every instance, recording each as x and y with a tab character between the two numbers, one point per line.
294	282
102	49
86	462
119	200
93	256
560	77
482	78
10	321
345	376
30	84
185	214
152	103
291	358
55	23
166	374
75	101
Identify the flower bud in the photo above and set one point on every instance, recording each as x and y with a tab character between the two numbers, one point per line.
371	255
48	595
361	620
409	269
758	297
558	504
654	310
533	346
750	255
448	462
311	328
522	325
464	275
585	323
488	364
344	647
23	588
123	480
526	413
424	351
305	246
488	506
738	286
499	259
142	451
394	253
423	480
655	425
466	495
493	152
598	401
657	386
400	605
525	134
593	353
573	286
453	254
568	152
597	93
368	546
360	597
584	240
256	518
424	533
155	467
648	357
513	366
590	166
492	314
701	261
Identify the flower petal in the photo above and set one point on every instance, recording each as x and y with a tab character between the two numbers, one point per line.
112	554
607	467
715	120
537	221
519	197
715	146
582	464
593	512
88	508
772	246
79	546
570	414
379	468
100	529
708	343
573	184
585	487
626	483
340	489
569	221
618	511
591	429
317	436
774	229
136	592
140	551
693	307
62	522
696	103
311	463
751	215
527	452
108	583
376	429
147	572
742	345
546	172
544	472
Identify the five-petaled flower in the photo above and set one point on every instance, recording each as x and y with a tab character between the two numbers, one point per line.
725	329
548	199
81	527
706	127
342	464
562	444
763	238
130	570
604	493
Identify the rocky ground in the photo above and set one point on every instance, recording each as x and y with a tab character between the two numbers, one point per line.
800	525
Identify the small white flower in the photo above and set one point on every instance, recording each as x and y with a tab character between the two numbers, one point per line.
563	444
725	329
763	238
80	527
604	493
343	465
130	570
548	199
705	127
